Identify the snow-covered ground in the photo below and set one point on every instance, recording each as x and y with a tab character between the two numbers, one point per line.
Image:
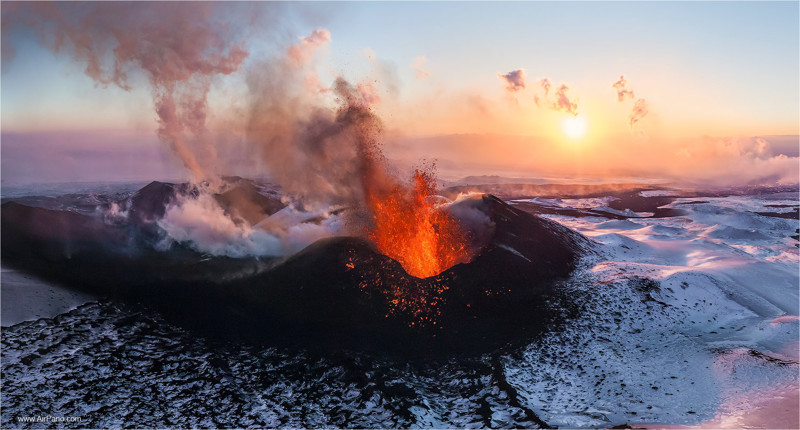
689	320
25	297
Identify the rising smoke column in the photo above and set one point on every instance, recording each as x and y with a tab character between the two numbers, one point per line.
639	109
324	156
302	52
180	47
334	157
318	153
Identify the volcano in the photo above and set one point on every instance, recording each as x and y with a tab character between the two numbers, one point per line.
338	289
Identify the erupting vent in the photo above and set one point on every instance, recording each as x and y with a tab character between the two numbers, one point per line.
410	228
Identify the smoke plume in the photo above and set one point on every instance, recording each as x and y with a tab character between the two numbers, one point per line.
179	47
638	112
320	155
546	85
639	109
301	53
200	222
321	145
513	80
561	101
622	91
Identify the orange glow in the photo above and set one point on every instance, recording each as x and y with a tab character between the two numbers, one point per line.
410	228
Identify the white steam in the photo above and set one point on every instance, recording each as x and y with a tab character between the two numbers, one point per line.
202	224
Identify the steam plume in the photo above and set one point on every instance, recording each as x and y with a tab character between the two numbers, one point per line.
514	80
638	112
545	84
639	109
562	101
622	91
320	156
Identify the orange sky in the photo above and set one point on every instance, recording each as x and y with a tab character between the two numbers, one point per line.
716	95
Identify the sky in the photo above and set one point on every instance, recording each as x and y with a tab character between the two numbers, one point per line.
716	84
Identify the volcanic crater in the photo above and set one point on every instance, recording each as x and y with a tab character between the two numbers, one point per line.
340	290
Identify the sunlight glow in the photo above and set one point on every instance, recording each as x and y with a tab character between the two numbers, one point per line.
574	126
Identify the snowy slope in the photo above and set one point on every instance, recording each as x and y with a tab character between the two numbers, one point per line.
685	320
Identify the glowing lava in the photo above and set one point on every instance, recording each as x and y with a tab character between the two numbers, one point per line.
410	228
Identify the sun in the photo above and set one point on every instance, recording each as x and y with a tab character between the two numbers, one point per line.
574	126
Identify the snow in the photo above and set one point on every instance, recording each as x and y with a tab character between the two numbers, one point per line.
619	224
27	298
711	342
686	321
627	212
658	193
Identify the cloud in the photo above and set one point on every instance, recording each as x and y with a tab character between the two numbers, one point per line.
513	80
734	161
417	65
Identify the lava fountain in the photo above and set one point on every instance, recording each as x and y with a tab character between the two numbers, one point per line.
410	227
405	222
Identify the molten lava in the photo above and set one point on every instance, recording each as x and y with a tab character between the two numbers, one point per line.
410	228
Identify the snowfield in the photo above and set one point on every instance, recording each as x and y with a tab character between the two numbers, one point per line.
688	320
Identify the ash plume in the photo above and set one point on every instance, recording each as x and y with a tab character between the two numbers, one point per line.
513	80
301	53
320	155
180	48
561	101
322	146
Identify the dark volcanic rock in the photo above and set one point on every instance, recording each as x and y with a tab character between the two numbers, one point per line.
241	200
244	201
50	235
150	203
339	290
